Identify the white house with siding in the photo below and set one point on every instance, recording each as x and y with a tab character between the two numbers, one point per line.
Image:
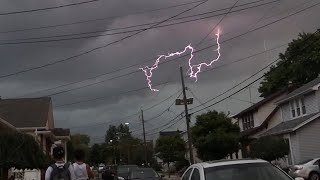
300	122
257	119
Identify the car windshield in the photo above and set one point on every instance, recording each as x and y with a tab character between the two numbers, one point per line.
250	171
141	174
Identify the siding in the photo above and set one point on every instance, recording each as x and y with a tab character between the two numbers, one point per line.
309	140
318	99
295	148
286	114
310	101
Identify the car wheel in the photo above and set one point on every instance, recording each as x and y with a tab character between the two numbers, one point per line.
314	176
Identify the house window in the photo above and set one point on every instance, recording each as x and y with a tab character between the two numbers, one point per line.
298	108
248	121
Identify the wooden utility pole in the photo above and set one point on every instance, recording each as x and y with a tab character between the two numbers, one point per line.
187	116
144	139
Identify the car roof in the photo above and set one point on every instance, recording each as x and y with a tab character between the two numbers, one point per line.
228	162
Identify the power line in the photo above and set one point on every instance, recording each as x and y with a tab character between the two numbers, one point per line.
48	38
103	74
138	113
240	35
100	47
97	19
48	8
215	26
251	82
199	101
144	88
243	81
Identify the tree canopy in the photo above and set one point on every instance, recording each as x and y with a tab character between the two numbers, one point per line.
269	148
170	148
78	141
299	64
215	136
21	151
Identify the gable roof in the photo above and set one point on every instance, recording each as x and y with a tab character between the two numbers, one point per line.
290	126
25	112
264	124
260	103
300	91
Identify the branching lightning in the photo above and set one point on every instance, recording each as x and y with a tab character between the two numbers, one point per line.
194	69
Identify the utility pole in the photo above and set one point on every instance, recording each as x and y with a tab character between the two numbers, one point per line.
185	102
144	139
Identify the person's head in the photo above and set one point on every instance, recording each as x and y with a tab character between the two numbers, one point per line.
58	153
79	154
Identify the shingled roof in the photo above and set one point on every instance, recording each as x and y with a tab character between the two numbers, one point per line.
25	112
300	91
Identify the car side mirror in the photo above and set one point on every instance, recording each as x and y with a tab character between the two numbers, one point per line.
299	178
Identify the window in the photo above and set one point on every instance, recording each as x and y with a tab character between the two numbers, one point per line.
316	163
298	108
195	174
187	175
248	121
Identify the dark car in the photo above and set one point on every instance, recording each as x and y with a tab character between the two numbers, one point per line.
144	174
123	171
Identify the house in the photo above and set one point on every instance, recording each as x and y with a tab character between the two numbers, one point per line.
257	119
300	122
33	116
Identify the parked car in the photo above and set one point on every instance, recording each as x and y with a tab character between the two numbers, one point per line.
235	170
144	174
308	169
123	171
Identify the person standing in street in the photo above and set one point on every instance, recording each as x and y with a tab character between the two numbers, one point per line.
81	170
59	170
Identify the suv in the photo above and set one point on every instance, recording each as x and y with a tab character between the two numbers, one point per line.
235	170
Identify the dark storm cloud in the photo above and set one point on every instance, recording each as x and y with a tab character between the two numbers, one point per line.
116	103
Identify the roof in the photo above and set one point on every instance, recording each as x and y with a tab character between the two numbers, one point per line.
61	132
290	126
25	112
4	124
228	162
262	102
307	88
263	125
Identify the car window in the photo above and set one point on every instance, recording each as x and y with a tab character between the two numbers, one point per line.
316	163
195	174
187	174
250	171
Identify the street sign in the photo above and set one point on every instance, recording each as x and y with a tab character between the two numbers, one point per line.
180	101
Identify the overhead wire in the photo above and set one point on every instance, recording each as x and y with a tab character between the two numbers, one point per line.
101	47
47	38
159	84
278	65
20	40
205	48
47	8
97	19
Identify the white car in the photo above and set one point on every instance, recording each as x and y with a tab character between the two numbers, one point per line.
308	169
235	170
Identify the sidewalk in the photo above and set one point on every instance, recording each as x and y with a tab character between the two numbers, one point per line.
172	177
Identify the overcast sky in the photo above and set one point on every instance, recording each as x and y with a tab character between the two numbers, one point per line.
93	117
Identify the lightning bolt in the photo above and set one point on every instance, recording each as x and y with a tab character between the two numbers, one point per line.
193	74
